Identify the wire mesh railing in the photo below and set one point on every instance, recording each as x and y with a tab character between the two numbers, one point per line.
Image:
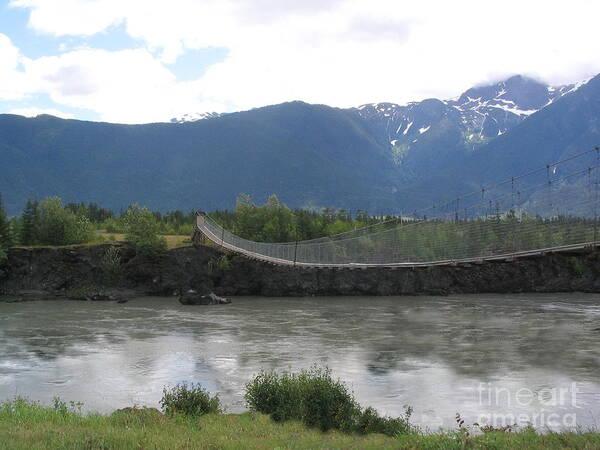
549	207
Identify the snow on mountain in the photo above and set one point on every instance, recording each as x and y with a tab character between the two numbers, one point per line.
491	110
480	113
193	117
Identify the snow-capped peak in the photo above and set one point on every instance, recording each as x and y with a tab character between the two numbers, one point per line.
481	113
193	117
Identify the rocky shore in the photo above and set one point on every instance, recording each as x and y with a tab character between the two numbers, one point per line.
80	273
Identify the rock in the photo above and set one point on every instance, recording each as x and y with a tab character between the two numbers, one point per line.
193	298
26	296
13	299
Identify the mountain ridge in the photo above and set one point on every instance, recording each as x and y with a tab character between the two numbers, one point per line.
309	155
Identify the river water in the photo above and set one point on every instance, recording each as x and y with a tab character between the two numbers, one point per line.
492	358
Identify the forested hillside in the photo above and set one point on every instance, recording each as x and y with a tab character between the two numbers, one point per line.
308	155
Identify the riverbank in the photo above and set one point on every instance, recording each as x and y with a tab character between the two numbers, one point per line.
74	272
24	425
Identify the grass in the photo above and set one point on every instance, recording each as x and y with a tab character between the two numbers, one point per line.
173	240
26	425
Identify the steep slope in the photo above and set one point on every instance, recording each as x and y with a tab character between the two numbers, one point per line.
428	136
306	154
568	125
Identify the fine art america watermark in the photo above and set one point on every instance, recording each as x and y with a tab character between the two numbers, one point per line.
544	408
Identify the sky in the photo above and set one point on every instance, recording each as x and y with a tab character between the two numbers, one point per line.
140	61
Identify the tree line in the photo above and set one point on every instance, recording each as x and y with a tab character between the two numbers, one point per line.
49	222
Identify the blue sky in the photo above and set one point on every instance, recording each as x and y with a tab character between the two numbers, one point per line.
135	61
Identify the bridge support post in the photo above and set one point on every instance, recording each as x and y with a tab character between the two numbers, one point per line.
295	251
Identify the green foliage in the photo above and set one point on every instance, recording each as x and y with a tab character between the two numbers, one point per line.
59	226
30	223
113	225
6	235
50	223
110	264
318	400
64	409
142	231
92	211
275	222
578	266
219	264
371	422
192	400
26	425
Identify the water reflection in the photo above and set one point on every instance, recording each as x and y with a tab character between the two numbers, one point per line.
433	353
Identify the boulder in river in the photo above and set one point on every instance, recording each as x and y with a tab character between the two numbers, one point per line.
193	298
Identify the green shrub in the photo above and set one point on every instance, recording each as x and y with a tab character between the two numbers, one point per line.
64	408
110	264
219	264
142	231
371	422
138	416
113	225
315	398
51	223
326	402
277	394
192	400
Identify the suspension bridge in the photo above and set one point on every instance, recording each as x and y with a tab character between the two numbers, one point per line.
553	208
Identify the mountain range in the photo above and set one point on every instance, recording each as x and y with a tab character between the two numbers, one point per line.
380	157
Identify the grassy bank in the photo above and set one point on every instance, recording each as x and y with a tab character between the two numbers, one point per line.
24	425
173	240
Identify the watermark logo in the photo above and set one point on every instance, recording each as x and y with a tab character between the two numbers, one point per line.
545	408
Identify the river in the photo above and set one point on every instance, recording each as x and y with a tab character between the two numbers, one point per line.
492	358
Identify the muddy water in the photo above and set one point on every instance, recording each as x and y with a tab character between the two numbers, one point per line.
492	358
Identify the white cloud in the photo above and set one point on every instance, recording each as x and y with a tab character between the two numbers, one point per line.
123	86
71	17
33	112
12	81
338	52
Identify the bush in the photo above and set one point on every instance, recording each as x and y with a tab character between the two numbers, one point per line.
371	422
311	396
192	400
50	223
219	264
112	225
142	231
110	264
277	394
315	398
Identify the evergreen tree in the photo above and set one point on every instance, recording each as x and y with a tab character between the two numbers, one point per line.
5	229
30	223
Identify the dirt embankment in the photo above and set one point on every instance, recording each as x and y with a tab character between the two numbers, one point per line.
81	272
